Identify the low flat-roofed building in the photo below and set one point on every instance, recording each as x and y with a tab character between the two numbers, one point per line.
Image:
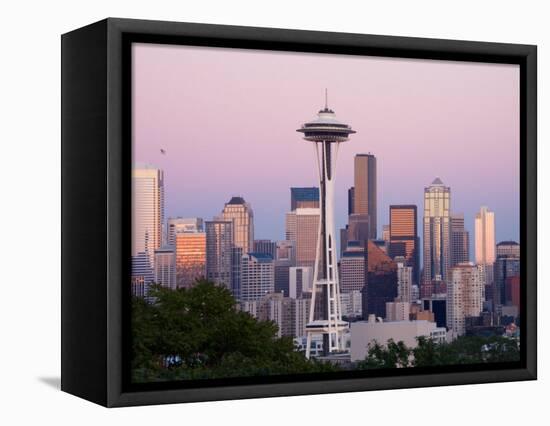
364	333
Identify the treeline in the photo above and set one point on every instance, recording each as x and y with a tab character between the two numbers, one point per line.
197	333
428	353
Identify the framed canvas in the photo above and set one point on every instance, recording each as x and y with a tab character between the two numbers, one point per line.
256	212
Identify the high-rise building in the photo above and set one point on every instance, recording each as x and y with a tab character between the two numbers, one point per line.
352	304
505	267
182	224
326	132
460	240
304	198
353	268
265	247
190	257
282	275
240	213
236	271
404	280
436	253
365	190
464	296
485	247
165	267
403	236
351	200
303	230
257	276
300	281
147	210
398	311
381	284
219	252
507	248
142	274
285	250
359	228
386	233
512	286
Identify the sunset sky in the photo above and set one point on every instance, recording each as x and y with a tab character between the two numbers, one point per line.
227	119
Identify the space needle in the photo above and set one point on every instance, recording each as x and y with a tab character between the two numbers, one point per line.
326	132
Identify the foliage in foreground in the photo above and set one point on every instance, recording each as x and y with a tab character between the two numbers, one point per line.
197	333
464	350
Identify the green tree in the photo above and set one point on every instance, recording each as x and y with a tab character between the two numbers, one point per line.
197	333
392	355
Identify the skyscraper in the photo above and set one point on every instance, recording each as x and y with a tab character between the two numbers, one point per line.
386	233
403	236
505	267
359	228
301	198
182	224
404	280
165	267
240	213
460	240
303	230
265	247
507	248
257	276
147	210
436	253
485	237
190	257
464	296
326	132
142	274
351	200
364	193
353	268
219	252
381	286
300	281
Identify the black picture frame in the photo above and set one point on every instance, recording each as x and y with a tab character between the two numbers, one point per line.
96	128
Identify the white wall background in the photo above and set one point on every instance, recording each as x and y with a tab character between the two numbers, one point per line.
30	210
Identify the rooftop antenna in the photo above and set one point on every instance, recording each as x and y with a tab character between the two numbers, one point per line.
326	98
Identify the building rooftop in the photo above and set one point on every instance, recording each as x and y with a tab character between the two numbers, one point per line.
305	194
261	257
237	200
508	243
437	181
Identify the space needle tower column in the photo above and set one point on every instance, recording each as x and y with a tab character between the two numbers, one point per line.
326	133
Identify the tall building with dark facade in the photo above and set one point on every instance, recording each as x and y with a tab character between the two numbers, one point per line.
460	240
364	193
351	200
505	266
381	286
359	228
265	247
304	198
404	239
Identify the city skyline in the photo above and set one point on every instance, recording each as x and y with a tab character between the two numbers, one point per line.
176	131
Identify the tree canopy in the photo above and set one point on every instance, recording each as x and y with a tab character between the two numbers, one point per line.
197	333
428	353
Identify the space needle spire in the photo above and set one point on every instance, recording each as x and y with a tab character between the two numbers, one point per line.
326	133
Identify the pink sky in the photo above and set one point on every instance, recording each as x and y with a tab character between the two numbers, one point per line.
227	119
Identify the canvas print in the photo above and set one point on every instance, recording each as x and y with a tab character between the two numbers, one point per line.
297	213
